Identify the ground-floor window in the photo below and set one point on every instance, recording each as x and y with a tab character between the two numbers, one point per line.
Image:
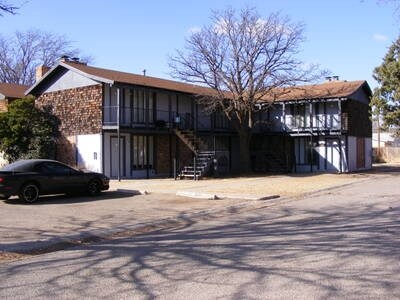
305	152
143	152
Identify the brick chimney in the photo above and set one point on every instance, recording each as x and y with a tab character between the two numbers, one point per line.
40	71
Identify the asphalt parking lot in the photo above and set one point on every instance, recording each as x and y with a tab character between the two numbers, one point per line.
56	219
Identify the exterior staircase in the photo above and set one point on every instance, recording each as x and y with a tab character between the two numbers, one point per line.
190	139
203	158
199	167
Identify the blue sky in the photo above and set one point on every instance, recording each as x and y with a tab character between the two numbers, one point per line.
347	37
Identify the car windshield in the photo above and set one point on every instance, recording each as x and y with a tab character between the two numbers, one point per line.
18	166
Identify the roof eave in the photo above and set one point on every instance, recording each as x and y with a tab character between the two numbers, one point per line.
94	77
51	71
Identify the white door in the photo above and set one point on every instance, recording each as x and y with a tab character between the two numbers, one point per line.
115	169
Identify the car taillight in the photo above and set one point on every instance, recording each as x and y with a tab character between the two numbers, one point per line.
1	179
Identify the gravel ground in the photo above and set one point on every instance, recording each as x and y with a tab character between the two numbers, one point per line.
255	186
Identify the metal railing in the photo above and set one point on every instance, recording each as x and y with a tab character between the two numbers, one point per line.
134	116
319	123
148	117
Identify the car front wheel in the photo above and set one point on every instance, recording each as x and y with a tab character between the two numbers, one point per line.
93	187
29	193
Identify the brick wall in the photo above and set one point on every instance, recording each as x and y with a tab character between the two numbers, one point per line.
66	150
79	109
3	105
185	154
162	151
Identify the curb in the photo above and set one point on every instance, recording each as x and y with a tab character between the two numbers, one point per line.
133	192
197	195
208	196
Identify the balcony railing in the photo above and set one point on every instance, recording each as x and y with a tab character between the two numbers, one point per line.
129	116
319	123
150	118
300	124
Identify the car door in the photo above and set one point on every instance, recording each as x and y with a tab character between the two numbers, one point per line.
61	178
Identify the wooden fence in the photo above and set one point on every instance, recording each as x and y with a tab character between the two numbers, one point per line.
387	154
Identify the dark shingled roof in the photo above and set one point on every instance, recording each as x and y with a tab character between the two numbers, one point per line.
123	77
326	90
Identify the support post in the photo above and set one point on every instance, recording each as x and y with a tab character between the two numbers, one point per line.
340	116
119	133
194	168
311	154
147	157
340	154
283	117
340	134
175	175
214	145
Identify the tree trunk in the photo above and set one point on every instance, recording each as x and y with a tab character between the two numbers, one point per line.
244	143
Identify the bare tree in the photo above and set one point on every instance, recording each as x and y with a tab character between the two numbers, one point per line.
5	7
23	52
243	58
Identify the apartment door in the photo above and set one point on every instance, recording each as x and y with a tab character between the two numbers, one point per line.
117	161
360	153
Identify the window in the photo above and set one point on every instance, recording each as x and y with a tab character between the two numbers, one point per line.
312	155
143	106
299	113
54	169
143	152
305	151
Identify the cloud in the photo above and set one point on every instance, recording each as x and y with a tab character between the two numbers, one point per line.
380	37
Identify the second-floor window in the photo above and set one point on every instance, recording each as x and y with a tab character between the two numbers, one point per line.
141	106
299	115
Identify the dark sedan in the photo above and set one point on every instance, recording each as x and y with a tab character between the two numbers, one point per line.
33	177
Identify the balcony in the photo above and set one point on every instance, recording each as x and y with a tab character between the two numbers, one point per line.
303	125
149	118
320	123
136	117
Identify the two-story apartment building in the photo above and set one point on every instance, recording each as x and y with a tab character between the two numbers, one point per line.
128	125
324	127
131	126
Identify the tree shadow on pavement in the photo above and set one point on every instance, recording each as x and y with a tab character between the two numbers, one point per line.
281	253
